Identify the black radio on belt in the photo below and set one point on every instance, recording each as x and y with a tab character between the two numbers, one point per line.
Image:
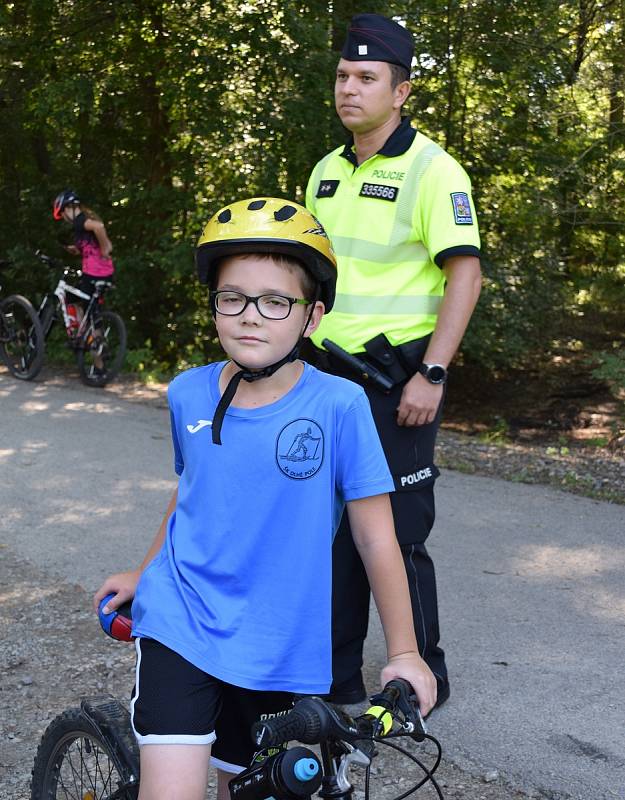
382	367
381	350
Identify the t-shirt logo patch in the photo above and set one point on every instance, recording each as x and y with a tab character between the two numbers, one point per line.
380	191
299	449
462	208
327	188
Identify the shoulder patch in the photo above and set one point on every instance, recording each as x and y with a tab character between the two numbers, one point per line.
462	208
327	188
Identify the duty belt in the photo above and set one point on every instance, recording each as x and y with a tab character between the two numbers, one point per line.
381	364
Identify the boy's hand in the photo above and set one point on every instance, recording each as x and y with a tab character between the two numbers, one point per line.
412	668
72	249
123	586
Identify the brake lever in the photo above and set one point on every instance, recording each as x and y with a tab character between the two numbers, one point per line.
337	722
405	700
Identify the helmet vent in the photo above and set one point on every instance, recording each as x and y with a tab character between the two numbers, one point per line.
256	205
284	213
225	215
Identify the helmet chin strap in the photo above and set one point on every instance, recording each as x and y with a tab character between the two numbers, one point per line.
250	375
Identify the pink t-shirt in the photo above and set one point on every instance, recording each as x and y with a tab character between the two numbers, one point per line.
93	262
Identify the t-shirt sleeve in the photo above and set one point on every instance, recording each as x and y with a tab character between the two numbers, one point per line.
178	459
362	470
445	213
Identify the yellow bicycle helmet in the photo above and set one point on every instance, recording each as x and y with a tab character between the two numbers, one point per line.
269	225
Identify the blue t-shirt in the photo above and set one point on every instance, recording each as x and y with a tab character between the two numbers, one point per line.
242	585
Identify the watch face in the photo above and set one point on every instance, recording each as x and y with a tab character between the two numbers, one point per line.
436	374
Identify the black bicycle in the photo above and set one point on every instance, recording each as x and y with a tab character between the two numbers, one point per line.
90	753
97	336
21	335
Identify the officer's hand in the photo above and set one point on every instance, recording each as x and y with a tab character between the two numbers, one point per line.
419	402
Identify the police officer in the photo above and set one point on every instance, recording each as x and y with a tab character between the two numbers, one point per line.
399	212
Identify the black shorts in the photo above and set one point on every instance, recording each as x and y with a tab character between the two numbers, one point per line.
174	702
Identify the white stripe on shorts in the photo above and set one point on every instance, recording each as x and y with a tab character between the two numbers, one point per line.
225	766
167	738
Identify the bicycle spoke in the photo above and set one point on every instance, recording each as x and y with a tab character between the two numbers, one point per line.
105	781
60	778
87	773
74	772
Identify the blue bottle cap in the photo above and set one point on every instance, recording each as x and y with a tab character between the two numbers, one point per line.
305	769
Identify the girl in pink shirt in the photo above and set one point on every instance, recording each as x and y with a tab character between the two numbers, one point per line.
90	238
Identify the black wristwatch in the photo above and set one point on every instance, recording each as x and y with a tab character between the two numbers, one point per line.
434	373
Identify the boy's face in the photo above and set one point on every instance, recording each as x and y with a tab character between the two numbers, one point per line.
249	338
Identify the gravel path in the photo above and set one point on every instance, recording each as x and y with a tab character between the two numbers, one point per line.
47	627
596	472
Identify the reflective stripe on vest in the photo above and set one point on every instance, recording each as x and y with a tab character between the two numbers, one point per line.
389	304
398	249
412	286
406	200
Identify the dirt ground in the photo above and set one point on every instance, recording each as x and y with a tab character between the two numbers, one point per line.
54	653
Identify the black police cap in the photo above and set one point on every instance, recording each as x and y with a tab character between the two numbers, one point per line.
372	37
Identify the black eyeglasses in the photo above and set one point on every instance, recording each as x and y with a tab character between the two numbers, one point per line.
270	306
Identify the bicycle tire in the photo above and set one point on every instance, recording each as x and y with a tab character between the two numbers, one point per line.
79	757
22	341
105	338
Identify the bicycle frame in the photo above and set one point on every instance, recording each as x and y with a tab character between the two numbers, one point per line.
336	762
47	314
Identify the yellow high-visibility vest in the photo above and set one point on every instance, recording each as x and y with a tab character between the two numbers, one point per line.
392	222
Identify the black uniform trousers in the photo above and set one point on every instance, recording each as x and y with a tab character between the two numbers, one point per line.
410	455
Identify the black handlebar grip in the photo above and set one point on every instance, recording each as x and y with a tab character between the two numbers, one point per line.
302	724
48	260
274	732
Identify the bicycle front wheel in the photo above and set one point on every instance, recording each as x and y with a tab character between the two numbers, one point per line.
104	348
22	343
75	762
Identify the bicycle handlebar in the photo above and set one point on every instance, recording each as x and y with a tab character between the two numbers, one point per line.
43	257
53	263
313	721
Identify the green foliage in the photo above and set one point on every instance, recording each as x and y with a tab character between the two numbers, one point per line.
610	367
158	113
498	432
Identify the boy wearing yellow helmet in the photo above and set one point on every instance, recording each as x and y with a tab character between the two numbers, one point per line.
232	608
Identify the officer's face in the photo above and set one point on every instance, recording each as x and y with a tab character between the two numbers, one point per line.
363	94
